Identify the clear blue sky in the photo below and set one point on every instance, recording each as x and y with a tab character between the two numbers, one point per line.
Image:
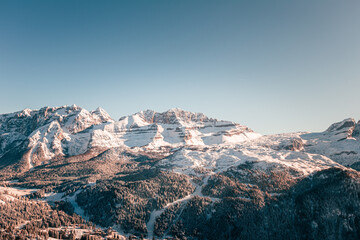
275	66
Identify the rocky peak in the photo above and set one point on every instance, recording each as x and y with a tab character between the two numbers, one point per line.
147	115
72	118
342	130
177	115
344	125
25	113
172	116
102	114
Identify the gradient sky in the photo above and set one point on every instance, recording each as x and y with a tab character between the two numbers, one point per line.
275	66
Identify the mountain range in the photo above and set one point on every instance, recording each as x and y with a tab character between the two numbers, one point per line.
175	174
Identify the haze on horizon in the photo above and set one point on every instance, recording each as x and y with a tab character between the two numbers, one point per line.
276	67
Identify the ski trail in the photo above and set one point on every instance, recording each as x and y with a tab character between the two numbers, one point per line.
77	209
71	199
156	213
151	223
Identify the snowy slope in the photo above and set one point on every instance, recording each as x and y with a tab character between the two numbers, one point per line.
340	142
220	158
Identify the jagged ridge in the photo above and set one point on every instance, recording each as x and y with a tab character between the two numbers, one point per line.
47	133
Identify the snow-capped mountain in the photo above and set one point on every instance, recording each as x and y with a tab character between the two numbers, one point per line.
70	130
182	174
340	142
39	134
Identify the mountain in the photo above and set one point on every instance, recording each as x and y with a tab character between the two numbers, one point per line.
178	174
38	136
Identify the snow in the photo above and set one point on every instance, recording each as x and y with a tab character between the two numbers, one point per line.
339	147
77	209
139	130
222	157
172	128
151	223
16	191
54	197
47	138
25	113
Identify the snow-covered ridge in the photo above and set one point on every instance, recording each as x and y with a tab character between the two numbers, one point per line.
179	127
220	158
41	133
340	142
71	130
44	134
